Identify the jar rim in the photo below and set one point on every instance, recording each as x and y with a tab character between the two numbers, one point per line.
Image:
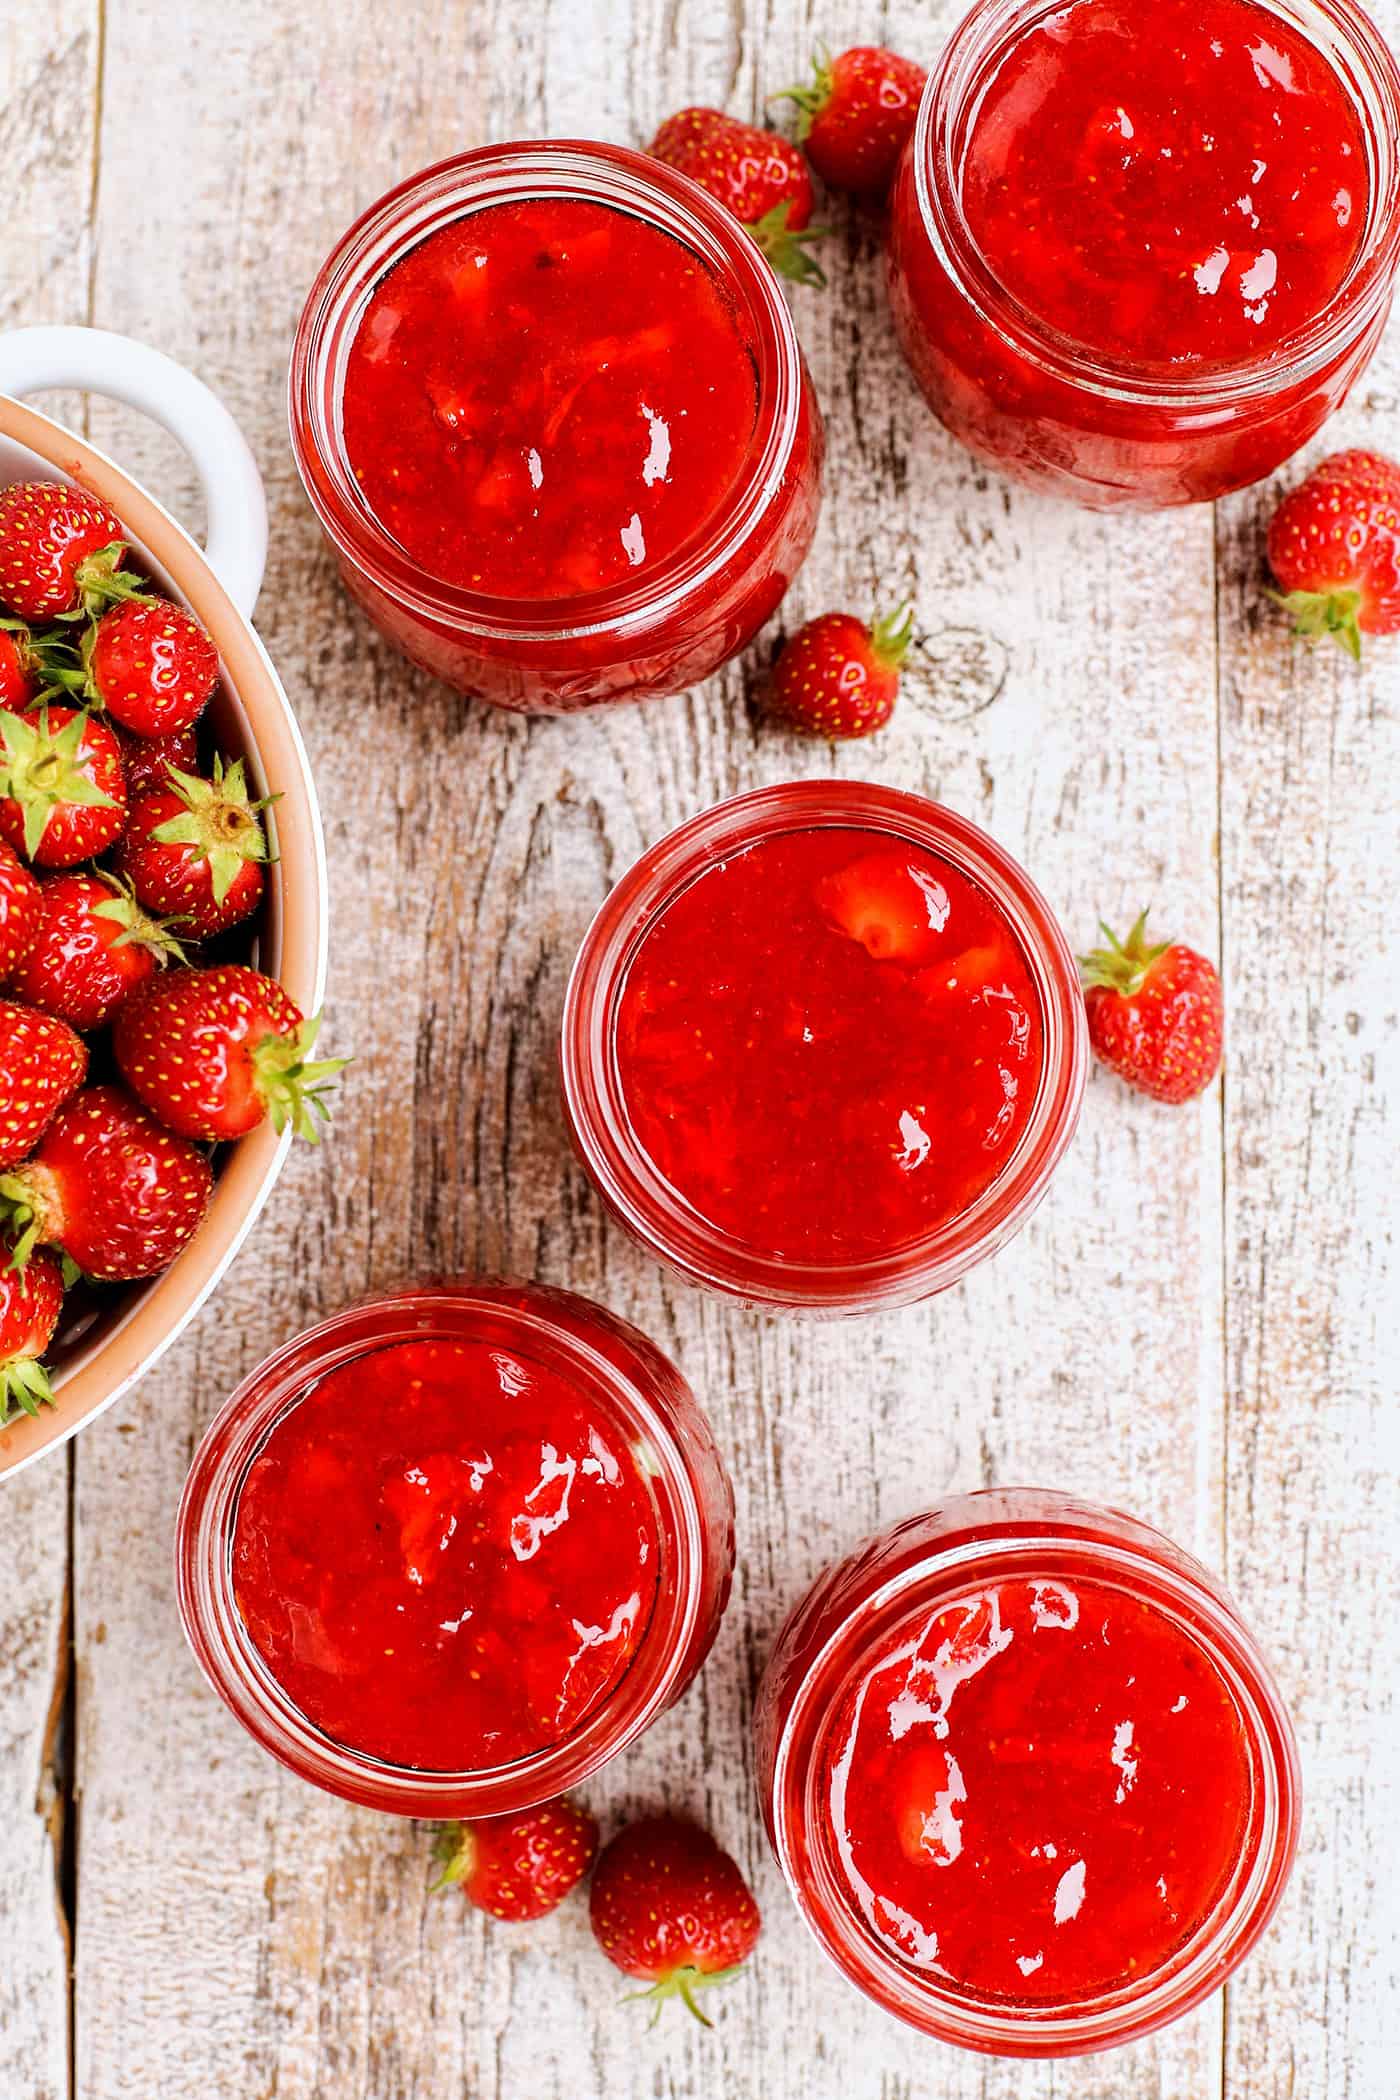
207	1520
965	69
444	193
619	1164
1182	1590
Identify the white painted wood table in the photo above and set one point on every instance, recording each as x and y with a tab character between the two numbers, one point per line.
1202	1322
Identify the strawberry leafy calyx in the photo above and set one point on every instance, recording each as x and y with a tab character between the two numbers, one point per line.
812	96
219	820
454	1849
46	655
785	246
41	768
1319	613
28	1206
100	580
1122	966
138	926
24	1389
891	635
683	1983
293	1088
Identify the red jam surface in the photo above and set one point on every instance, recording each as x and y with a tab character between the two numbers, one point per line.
1182	183
829	1044
547	398
1039	1791
445	1555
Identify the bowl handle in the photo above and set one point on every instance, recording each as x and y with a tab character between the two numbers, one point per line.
99	362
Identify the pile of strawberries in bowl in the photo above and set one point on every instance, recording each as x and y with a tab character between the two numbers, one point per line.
135	1033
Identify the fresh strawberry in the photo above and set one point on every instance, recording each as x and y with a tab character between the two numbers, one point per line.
857	115
119	1195
61	551
211	1052
836	677
31	1299
195	847
1334	548
151	665
761	177
518	1867
62	790
20	912
147	760
42	1062
1156	1013
669	1906
92	946
895	910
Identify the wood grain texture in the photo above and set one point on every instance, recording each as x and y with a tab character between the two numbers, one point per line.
48	95
1207	1348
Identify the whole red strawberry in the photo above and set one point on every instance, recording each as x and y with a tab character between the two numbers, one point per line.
857	115
147	760
1334	548
761	177
62	790
20	912
195	847
60	550
837	677
152	666
31	1299
669	1906
211	1052
119	1195
518	1867
92	946
42	1062
1156	1013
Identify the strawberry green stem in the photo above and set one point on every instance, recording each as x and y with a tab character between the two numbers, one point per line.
102	581
1318	613
454	1848
785	246
683	1983
812	97
1122	966
294	1089
891	635
25	1213
24	1388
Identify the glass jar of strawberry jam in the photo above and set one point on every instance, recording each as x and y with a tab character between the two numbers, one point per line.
1138	255
823	1047
1027	1774
452	1549
548	403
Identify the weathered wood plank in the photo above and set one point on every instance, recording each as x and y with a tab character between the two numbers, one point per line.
1310	820
468	852
48	71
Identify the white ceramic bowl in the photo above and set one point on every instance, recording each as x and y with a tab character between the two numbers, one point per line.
251	716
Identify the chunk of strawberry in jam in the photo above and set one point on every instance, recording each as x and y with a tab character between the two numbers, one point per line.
894	907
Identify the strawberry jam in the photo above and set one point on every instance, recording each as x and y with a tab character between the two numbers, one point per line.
1015	1790
1140	254
1180	188
1027	1773
829	1044
547	398
446	1554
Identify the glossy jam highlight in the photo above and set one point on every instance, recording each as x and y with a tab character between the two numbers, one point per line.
445	1555
829	1043
548	398
1182	185
1038	1791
